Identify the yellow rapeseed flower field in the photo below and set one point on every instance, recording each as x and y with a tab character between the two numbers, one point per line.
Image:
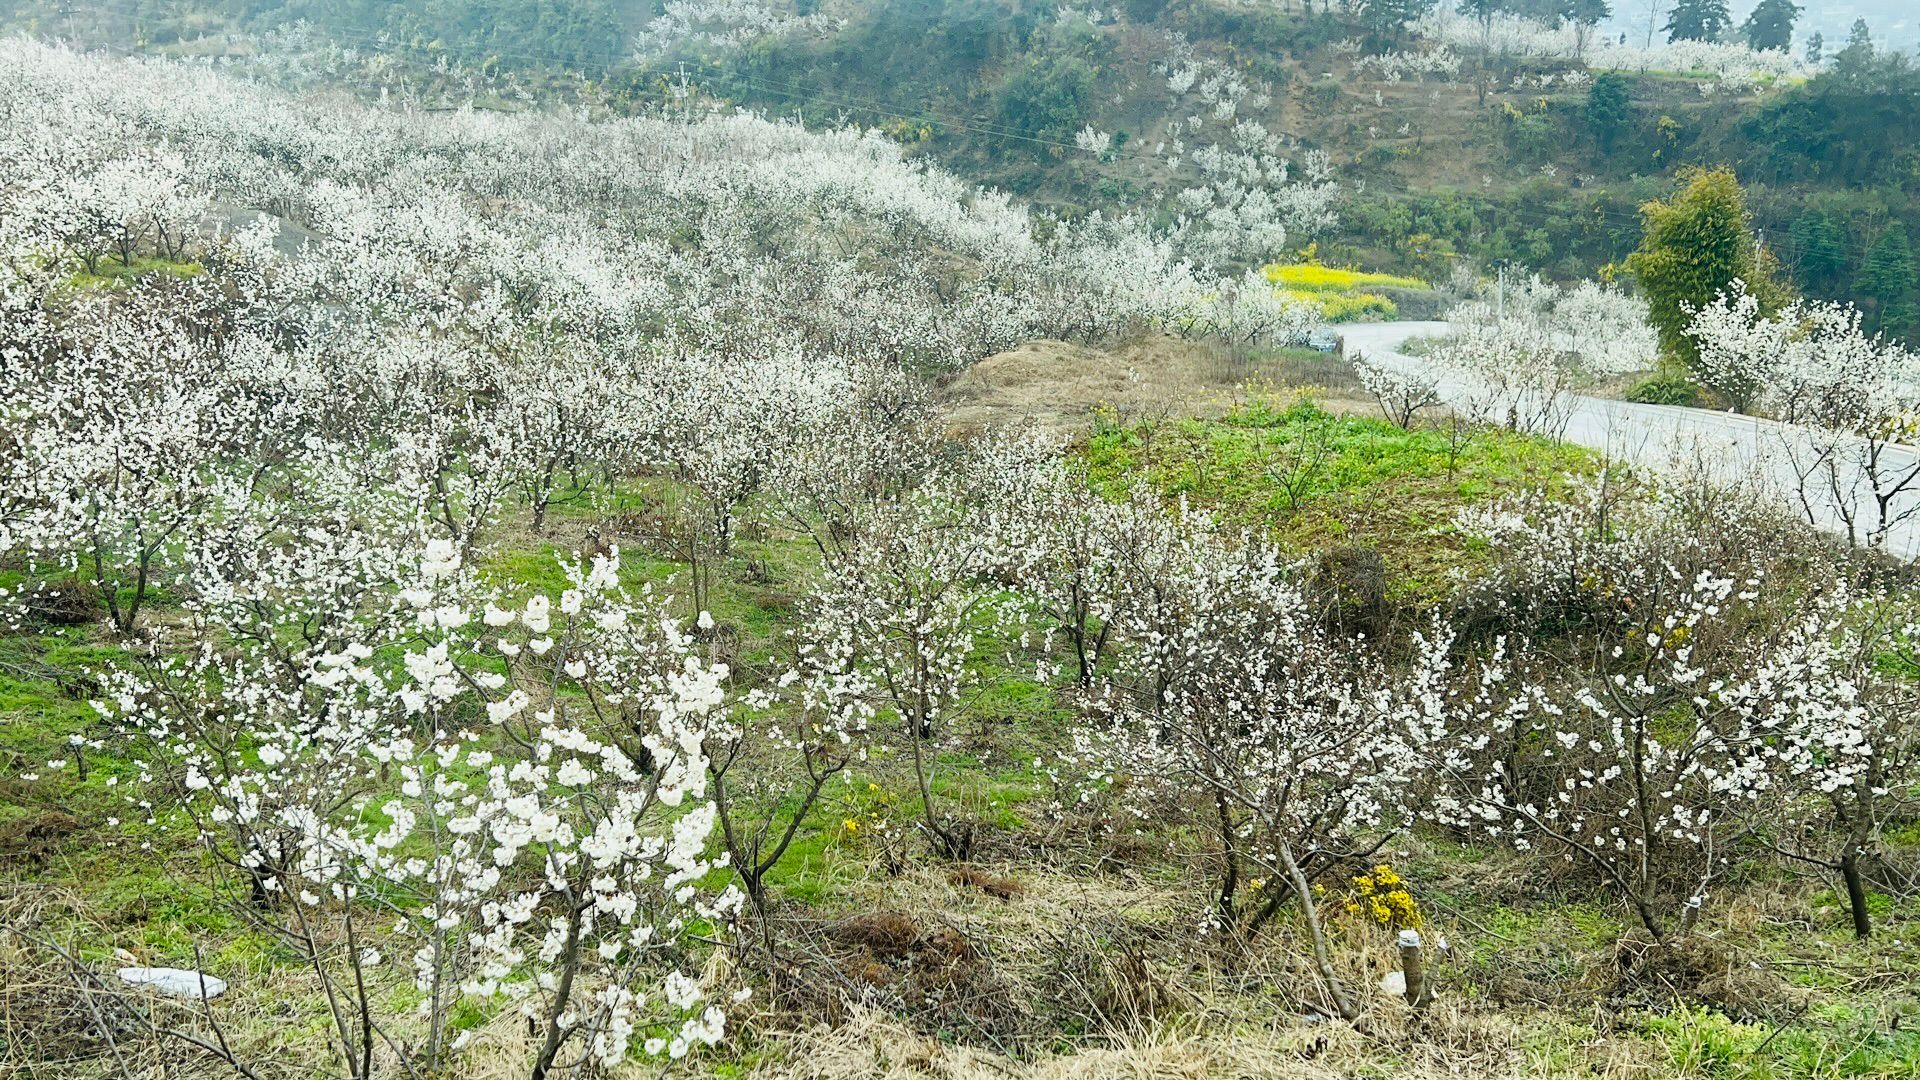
1339	295
1313	277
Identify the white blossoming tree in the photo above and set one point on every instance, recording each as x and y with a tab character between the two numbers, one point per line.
518	790
1852	400
1683	703
1236	709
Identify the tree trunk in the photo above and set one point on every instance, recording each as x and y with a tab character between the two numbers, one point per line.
1322	955
1856	893
562	995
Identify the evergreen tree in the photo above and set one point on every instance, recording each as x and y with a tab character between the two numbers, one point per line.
1821	250
1388	19
1694	245
1698	20
1608	108
1858	55
1771	24
1816	47
1887	278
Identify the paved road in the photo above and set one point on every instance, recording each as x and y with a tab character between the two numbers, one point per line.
1841	499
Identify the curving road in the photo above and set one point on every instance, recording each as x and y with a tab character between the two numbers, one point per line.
1853	489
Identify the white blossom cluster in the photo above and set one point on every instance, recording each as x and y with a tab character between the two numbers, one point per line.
1401	392
1251	193
621	223
1809	362
1706	720
1507	34
705	26
1517	359
516	788
1605	326
1853	400
1395	65
1626	688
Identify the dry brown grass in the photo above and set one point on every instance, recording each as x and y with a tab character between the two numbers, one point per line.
1117	980
65	1014
1057	385
1447	1042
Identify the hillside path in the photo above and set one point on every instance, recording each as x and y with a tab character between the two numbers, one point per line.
1737	448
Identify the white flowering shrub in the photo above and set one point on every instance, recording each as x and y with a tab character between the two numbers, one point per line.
1602	327
1849	746
681	28
514	791
1509	34
901	616
1395	65
1400	392
1852	399
1510	374
1233	709
1070	554
1518	357
1687	703
1093	141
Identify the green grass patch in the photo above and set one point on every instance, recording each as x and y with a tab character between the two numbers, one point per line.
1314	480
110	272
1702	1042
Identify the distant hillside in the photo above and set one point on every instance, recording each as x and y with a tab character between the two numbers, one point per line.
1485	158
1274	126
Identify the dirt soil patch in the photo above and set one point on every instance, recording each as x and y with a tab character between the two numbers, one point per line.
1058	385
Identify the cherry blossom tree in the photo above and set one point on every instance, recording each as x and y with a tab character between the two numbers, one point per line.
1234	707
538	848
1655	743
1847	750
1401	394
1511	375
906	610
1851	400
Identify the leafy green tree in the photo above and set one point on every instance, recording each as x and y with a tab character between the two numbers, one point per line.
1388	19
1821	249
1816	47
1887	278
1771	24
1047	96
1859	51
1584	15
1698	20
1694	245
1609	109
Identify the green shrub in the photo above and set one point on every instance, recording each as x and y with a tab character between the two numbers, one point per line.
1048	96
1666	390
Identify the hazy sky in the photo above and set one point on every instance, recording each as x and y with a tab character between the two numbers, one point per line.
1895	23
